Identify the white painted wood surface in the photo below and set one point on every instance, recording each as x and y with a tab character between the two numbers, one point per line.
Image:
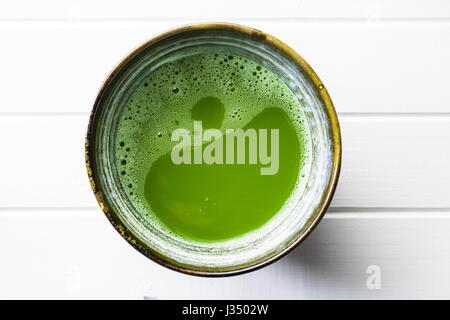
76	254
203	9
393	66
386	66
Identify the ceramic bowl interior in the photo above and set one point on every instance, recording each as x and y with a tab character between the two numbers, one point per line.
282	232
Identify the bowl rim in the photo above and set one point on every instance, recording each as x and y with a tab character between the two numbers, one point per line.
326	196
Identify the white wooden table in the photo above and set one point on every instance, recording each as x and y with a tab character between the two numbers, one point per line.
386	65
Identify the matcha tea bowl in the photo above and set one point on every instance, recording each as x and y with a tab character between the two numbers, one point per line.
213	149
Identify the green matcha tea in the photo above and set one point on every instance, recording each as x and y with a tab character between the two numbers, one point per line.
212	146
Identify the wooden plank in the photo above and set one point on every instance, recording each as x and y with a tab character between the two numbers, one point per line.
141	9
77	254
43	163
388	161
394	161
367	67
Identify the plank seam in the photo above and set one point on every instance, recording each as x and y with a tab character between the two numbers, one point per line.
332	213
340	114
364	20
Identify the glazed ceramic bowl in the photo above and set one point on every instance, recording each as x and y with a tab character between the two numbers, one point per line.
255	249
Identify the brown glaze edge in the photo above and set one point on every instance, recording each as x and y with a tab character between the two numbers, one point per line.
326	198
